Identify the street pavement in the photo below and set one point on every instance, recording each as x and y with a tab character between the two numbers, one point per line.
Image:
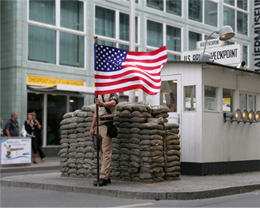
188	188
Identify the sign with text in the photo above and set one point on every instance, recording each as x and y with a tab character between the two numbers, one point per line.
211	43
15	150
37	80
227	55
257	36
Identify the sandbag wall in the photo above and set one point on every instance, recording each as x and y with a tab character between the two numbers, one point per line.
147	147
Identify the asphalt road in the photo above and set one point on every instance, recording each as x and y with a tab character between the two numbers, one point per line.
26	197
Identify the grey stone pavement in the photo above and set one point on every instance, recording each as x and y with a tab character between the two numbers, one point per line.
189	187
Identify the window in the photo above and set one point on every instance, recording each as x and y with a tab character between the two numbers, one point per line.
193	38
190	98
236	9
71	50
173	38
154	34
247	101
245	54
195	10
155	4
229	17
105	22
168	95
42	45
42	11
211	13
227	104
71	14
210	98
173	7
156	37
76	103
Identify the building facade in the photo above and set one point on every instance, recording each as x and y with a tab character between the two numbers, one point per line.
47	47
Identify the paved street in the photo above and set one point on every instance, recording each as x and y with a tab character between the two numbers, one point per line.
26	197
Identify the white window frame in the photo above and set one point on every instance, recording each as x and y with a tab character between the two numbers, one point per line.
217	99
116	40
247	100
164	37
57	28
239	10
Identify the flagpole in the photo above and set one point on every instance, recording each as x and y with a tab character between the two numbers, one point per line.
97	136
132	40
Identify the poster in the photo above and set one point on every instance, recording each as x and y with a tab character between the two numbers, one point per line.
15	151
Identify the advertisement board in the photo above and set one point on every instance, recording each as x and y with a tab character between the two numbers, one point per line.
15	150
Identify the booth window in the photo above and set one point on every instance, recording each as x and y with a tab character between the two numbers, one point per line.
168	95
247	101
190	98
227	102
210	98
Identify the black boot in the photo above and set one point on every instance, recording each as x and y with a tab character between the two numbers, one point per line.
102	182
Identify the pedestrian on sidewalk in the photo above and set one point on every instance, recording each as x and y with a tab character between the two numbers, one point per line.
11	128
107	111
38	137
30	128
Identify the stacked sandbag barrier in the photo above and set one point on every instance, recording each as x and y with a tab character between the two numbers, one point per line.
146	149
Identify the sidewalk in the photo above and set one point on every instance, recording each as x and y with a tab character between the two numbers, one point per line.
189	187
50	163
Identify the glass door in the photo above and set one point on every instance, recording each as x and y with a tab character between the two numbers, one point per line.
170	96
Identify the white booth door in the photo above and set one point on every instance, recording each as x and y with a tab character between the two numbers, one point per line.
170	95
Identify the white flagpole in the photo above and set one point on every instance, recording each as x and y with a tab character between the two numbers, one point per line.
132	40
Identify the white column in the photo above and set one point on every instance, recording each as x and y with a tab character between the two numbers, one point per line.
132	40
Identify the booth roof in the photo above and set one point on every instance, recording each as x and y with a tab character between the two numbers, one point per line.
215	64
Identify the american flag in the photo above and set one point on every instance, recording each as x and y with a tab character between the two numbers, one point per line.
118	70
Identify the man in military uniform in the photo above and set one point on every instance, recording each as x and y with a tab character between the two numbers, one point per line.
107	110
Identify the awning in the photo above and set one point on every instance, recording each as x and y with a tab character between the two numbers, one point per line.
61	87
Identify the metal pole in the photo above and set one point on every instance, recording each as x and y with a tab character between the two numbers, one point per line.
206	44
132	40
97	136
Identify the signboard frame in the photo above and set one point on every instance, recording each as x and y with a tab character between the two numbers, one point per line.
15	150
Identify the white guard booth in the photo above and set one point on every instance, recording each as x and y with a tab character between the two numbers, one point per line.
199	95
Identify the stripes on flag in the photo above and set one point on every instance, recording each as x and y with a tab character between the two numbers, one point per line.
118	70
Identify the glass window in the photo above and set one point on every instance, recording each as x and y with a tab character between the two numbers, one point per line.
76	103
154	34
71	50
242	4
190	98
156	4
172	57
125	47
211	13
242	101
193	38
105	22
229	17
242	23
56	108
168	95
124	26
173	7
210	98
42	45
227	104
71	14
106	43
245	54
173	38
195	10
251	102
42	11
231	2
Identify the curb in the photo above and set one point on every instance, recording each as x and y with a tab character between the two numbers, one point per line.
28	169
135	194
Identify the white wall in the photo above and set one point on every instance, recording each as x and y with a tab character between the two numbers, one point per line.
229	141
